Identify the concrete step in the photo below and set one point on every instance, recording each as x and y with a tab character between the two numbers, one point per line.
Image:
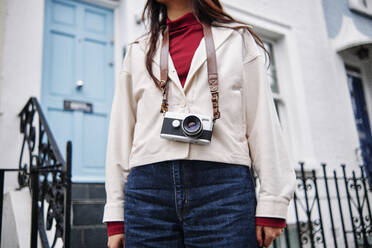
94	236
88	191
88	201
87	212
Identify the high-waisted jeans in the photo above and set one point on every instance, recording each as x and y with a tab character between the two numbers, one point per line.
190	203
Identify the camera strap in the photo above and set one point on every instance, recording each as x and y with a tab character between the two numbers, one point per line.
211	66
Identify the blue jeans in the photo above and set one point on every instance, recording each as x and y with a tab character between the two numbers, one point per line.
190	203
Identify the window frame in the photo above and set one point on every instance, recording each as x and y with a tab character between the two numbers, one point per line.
278	96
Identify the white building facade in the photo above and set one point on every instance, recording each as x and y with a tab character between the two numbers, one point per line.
318	48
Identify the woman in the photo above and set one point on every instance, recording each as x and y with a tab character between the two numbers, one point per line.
173	193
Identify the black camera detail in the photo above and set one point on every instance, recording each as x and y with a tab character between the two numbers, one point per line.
169	129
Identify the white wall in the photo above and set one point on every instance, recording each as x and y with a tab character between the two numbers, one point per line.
126	29
2	36
321	119
21	73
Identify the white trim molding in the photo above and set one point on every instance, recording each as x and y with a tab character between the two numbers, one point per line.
361	6
349	36
104	3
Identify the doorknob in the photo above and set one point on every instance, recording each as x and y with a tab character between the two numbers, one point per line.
79	84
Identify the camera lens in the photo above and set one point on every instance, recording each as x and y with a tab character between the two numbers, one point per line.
192	126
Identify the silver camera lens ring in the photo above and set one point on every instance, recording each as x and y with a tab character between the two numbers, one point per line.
199	129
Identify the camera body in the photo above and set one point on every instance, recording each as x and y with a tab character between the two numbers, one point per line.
187	127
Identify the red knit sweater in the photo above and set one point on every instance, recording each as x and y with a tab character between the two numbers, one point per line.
185	34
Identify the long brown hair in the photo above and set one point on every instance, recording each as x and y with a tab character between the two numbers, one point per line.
207	11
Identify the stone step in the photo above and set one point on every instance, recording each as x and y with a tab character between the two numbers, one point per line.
87	202
94	236
88	191
87	212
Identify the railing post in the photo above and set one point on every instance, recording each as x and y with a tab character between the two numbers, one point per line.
308	209
286	235
1	200
67	220
329	205
360	211
319	210
34	212
366	193
340	209
349	205
297	220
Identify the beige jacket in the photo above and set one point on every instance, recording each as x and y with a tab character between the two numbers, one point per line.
247	133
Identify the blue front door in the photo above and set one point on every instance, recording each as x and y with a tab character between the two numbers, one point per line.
78	83
362	120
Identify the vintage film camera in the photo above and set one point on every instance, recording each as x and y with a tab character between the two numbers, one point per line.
187	127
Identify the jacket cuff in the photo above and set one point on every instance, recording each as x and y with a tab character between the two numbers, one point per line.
272	208
113	213
270	221
115	227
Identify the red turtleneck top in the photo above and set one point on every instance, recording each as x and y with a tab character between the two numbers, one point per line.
185	34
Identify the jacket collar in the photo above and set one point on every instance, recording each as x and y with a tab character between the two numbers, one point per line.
220	34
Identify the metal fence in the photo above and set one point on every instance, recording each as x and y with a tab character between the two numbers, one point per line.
48	176
329	209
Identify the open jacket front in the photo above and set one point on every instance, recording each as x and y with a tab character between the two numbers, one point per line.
248	131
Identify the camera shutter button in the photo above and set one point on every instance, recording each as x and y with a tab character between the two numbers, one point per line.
176	123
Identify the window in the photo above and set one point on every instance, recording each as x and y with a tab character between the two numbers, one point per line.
361	6
276	82
273	80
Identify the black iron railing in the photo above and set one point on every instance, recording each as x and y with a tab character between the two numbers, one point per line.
330	211
48	176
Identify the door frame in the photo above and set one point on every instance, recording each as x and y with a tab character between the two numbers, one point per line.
44	73
365	150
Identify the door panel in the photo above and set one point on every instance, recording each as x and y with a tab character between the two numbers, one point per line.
63	55
93	69
95	21
62	124
63	13
77	66
93	136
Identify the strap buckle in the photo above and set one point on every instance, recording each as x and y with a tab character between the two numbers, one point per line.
164	107
216	115
215	96
164	104
163	83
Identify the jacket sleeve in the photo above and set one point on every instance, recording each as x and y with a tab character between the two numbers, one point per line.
271	159
119	143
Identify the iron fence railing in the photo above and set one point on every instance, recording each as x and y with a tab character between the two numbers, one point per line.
329	210
48	176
